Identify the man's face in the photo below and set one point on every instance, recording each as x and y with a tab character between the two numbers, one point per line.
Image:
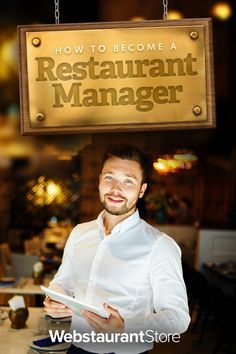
120	186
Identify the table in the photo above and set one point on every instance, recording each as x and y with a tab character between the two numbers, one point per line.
25	286
16	340
221	276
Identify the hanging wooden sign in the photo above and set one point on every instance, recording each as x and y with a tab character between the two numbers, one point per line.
116	76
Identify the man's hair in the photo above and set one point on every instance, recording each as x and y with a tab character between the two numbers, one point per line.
128	152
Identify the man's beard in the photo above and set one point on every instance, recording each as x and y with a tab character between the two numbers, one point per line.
113	210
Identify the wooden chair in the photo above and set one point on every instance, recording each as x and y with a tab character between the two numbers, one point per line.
6	260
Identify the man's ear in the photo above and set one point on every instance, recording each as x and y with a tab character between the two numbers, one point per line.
142	190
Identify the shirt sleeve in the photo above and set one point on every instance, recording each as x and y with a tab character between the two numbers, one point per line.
64	279
170	313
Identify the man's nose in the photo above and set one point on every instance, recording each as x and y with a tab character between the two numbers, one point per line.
116	186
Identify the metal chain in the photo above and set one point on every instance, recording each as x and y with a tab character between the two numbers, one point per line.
57	13
165	9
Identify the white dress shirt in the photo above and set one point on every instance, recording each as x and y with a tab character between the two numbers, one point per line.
135	269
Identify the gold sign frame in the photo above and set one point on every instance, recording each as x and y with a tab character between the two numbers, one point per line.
118	76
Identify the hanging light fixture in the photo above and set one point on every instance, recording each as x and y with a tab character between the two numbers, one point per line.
221	10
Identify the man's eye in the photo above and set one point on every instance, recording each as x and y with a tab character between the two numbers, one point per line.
128	181
108	178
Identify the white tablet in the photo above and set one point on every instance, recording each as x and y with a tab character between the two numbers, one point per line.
73	303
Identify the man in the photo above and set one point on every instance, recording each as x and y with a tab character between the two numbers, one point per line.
122	263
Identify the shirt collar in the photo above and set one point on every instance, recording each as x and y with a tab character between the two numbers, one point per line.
123	225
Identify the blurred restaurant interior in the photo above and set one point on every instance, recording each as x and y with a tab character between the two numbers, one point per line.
48	183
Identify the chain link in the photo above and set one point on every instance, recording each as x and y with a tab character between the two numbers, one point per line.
165	9
57	13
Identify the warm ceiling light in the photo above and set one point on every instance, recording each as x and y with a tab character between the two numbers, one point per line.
138	18
174	15
44	192
172	163
8	56
222	10
53	189
185	156
161	166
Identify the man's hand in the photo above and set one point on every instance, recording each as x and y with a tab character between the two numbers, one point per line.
114	323
56	309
